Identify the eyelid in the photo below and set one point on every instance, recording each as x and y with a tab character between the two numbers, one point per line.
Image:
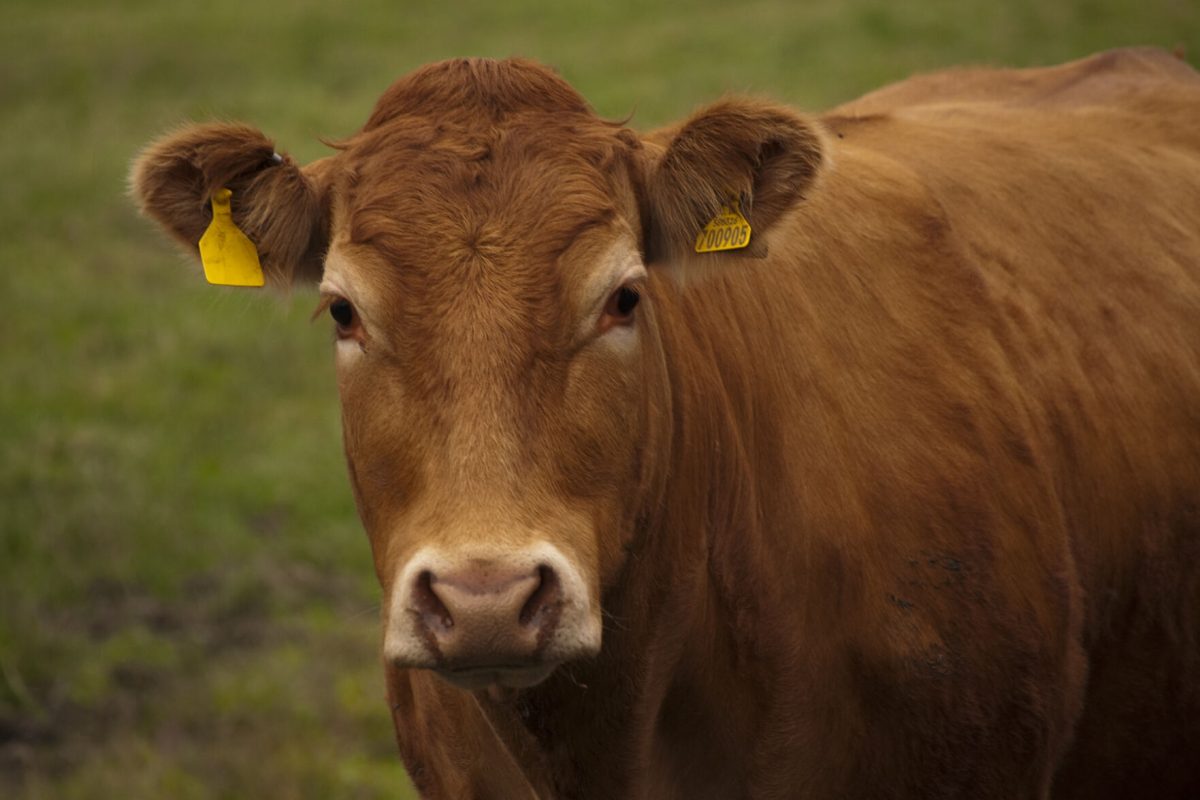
637	281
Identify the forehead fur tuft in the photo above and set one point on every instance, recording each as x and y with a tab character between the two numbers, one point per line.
476	87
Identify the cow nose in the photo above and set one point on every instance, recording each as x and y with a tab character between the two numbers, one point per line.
486	614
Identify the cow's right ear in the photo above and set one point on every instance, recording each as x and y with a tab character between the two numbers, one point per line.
280	206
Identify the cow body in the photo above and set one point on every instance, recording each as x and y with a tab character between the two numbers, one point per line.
910	505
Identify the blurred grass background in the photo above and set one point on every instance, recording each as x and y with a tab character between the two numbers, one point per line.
187	605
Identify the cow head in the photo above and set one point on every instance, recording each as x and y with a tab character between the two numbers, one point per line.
481	246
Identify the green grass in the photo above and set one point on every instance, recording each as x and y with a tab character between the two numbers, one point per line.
187	605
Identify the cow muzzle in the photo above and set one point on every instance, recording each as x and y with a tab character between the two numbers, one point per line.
503	619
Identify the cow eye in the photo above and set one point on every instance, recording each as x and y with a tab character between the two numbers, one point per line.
344	315
619	308
627	300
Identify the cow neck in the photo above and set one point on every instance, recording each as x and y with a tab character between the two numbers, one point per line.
711	524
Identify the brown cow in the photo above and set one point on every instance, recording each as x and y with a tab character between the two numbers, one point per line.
901	500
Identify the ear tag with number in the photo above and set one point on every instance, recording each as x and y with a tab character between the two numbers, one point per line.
728	230
228	255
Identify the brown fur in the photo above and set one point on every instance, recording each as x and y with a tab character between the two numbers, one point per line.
904	501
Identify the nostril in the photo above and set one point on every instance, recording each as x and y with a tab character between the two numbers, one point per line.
542	607
432	610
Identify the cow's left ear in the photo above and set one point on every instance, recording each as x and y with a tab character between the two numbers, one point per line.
764	155
281	206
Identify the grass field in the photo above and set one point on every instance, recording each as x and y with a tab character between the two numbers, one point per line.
187	606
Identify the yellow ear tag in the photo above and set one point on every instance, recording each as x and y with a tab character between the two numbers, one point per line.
728	230
228	255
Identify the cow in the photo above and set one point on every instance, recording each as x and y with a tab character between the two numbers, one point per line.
897	495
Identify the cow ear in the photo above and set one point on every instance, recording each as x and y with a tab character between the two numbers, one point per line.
765	156
280	206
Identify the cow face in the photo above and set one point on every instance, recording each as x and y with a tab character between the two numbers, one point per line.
480	247
491	359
